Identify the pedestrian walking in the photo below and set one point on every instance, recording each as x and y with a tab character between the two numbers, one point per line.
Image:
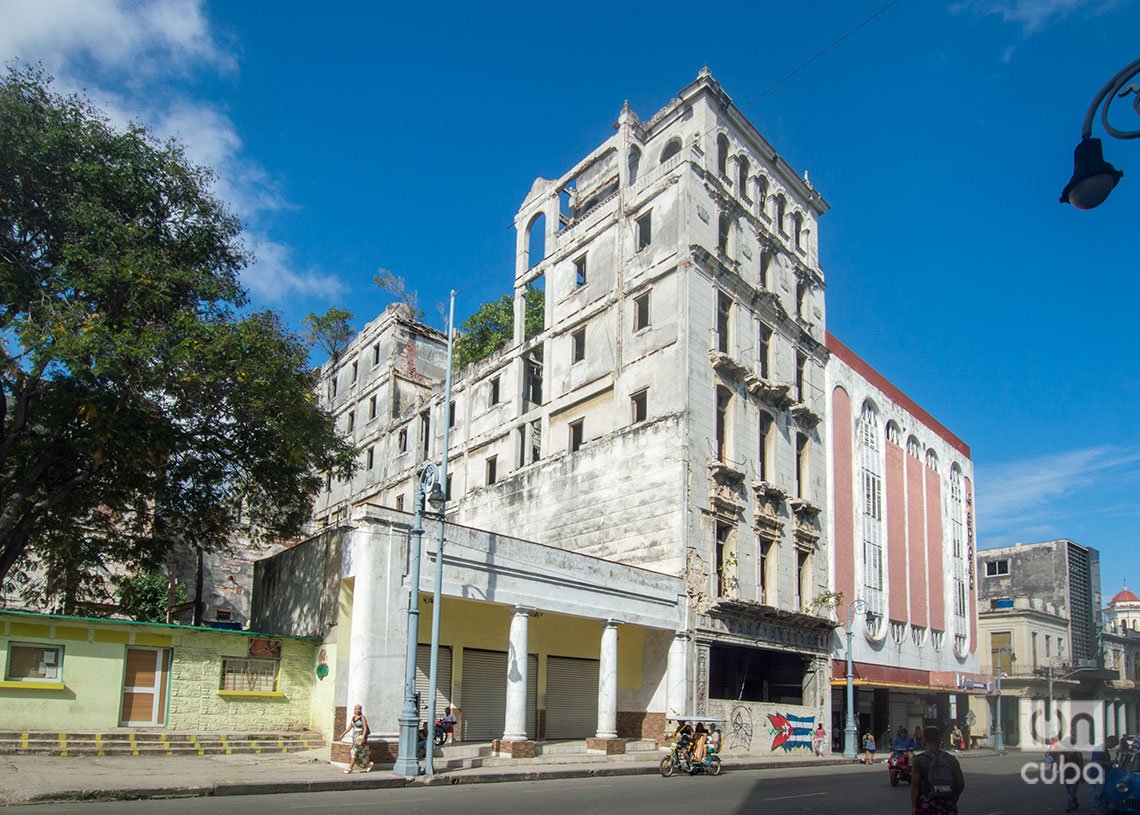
956	741
358	727
937	781
868	748
818	738
1071	768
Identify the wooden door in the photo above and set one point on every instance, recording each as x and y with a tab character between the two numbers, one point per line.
144	687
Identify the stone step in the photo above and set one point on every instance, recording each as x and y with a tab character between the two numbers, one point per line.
154	750
158	735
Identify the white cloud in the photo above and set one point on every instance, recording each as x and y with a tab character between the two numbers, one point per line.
1028	494
1030	15
136	61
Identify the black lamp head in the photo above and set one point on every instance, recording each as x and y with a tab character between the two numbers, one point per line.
1093	177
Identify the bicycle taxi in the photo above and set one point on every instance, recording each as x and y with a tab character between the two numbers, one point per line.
688	735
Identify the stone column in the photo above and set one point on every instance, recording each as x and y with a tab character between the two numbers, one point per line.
516	676
677	676
607	682
366	682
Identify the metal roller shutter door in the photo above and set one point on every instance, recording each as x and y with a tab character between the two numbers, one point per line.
443	684
571	698
485	694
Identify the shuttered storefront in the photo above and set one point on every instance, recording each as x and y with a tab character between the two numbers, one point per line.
571	698
485	694
443	681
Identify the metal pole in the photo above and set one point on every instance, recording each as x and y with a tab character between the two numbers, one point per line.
849	730
999	742
437	588
1049	694
406	762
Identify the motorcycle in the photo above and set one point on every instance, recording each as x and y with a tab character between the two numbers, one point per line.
899	766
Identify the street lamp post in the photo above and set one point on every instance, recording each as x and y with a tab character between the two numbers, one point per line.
409	718
1093	177
999	741
858	604
437	585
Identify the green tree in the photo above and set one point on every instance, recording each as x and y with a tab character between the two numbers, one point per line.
145	597
140	400
331	331
491	327
396	286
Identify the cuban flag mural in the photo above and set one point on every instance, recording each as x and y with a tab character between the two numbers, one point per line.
790	732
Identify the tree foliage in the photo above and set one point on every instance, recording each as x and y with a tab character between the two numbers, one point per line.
146	597
331	331
141	404
396	286
491	327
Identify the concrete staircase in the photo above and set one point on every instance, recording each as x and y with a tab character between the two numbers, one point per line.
154	743
477	756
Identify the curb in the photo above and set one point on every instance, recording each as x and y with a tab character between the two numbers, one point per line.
388	781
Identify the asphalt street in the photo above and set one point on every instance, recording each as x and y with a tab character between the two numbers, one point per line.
994	787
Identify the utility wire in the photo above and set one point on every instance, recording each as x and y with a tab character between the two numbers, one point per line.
819	54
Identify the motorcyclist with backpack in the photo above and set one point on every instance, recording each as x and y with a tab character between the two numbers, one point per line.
937	781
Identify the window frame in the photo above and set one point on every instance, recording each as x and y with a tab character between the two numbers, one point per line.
639	406
577	435
642	316
35	680
997	565
644	231
276	663
578	345
580	274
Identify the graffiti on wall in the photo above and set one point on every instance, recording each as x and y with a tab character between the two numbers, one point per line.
790	732
741	724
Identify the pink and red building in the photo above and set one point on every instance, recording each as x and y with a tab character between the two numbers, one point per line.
902	523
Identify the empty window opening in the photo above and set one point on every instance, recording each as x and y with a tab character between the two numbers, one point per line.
744	674
493	394
765	583
723	232
764	454
723	322
765	266
724	575
447	489
802	456
762	195
641	311
802	290
532	383
579	341
451	413
644	230
372	407
798	230
371	458
534	307
576	434
567	211
742	175
402	440
520	446
400	503
492	468
580	272
535	440
764	351
723	400
536	240
803	579
801	377
672	148
333	386
634	163
375	355
781	210
223	615
639	406
722	155
355	371
351	420
425	433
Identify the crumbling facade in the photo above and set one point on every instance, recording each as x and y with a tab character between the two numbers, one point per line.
669	413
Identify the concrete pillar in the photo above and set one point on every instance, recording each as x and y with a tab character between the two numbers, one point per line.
677	676
372	682
607	682
516	676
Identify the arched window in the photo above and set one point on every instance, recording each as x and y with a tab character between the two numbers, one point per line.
722	155
781	212
742	172
536	239
894	434
932	459
798	230
872	505
802	290
913	448
723	232
672	148
634	163
958	549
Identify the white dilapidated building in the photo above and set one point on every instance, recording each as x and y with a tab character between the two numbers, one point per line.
667	418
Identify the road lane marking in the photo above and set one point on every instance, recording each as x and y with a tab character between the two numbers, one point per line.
804	795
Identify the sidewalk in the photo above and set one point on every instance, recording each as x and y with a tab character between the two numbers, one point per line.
42	778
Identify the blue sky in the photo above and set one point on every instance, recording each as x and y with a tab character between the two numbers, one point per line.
351	137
